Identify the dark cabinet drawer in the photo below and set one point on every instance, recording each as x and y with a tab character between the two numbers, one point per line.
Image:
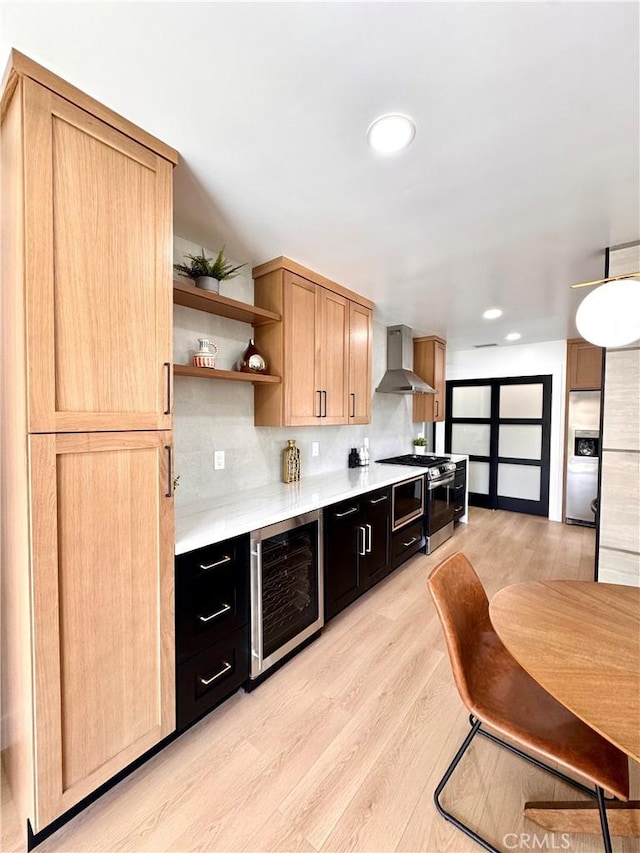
208	562
211	595
207	678
342	514
406	542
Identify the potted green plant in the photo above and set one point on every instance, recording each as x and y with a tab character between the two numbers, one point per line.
420	446
207	272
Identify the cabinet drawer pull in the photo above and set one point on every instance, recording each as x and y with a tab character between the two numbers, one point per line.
410	542
225	609
225	559
378	500
349	511
208	681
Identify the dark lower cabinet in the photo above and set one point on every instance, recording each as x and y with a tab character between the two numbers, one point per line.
457	490
357	552
212	626
407	541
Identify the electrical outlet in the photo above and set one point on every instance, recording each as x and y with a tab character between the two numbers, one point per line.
315	448
421	434
218	460
366	441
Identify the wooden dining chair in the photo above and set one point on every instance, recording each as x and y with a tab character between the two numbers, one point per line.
499	693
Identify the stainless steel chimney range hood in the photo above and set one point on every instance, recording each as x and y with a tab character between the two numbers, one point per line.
400	378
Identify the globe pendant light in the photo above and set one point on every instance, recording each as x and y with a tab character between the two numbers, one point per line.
610	315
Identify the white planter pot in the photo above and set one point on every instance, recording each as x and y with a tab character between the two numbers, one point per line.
419	450
205	282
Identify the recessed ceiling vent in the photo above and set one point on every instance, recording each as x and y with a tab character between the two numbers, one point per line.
484	346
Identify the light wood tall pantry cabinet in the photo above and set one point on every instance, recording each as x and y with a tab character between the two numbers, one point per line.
322	349
87	526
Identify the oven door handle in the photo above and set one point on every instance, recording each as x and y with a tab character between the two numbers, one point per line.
444	481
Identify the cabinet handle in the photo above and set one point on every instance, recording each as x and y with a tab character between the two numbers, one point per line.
208	681
353	405
378	500
362	550
349	511
319	393
167	410
325	404
224	609
437	402
169	491
368	526
410	542
225	559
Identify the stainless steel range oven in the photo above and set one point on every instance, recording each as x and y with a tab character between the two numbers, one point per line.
287	603
438	503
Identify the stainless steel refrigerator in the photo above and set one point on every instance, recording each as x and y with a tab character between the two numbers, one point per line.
583	457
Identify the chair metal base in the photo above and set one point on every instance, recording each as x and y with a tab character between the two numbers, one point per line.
598	793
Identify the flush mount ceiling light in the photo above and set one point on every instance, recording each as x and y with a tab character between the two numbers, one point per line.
513	336
610	315
492	313
391	133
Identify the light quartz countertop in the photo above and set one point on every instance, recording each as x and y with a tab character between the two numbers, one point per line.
213	520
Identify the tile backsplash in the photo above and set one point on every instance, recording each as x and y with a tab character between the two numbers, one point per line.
211	415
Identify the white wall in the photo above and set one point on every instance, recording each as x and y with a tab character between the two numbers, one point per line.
521	360
218	415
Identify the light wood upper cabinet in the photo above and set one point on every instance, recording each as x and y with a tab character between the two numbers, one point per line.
429	361
321	349
102	567
98	231
332	364
584	366
302	404
360	342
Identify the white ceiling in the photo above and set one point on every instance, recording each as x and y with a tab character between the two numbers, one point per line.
524	166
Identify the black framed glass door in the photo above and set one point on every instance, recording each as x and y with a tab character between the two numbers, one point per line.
504	426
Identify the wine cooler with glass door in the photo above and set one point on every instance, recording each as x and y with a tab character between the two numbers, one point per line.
286	589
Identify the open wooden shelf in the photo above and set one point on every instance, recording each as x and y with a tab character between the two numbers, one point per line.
214	373
202	300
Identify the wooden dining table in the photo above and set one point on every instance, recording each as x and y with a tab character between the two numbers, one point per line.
580	640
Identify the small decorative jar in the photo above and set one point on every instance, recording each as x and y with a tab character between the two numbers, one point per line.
206	354
252	361
291	462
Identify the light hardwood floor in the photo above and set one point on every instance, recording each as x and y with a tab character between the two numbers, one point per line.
342	748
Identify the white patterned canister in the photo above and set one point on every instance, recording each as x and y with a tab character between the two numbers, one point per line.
206	354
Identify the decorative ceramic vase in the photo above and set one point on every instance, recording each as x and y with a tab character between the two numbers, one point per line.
252	361
290	462
206	355
206	282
